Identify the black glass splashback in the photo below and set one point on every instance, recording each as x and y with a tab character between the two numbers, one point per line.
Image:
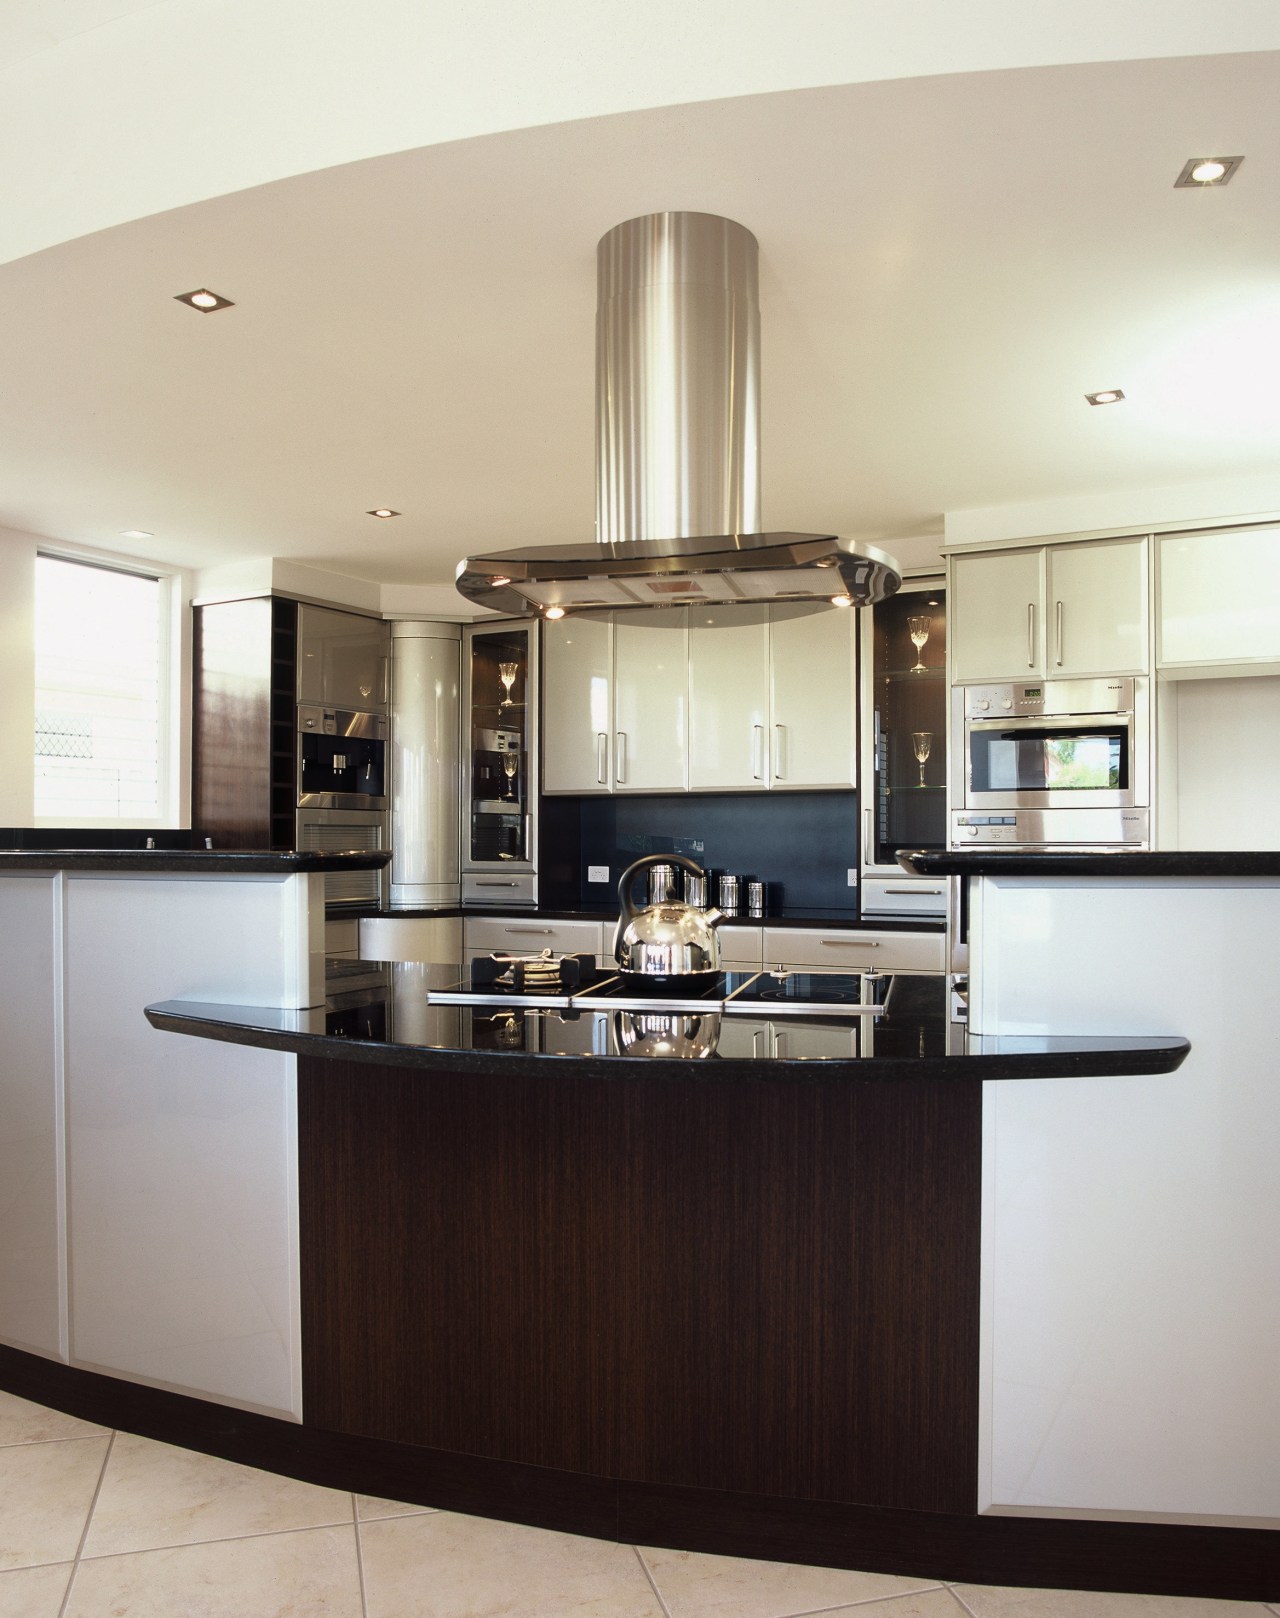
802	844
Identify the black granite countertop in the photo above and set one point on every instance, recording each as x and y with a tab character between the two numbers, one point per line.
914	1039
184	862
1029	862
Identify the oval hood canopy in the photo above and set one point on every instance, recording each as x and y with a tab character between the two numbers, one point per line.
677	447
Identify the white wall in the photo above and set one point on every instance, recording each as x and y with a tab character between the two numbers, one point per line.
1228	773
17	677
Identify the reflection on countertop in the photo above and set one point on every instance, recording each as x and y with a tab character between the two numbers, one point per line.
399	1025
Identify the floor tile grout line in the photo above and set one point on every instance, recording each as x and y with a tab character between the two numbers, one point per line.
221	1539
88	1518
964	1605
67	1438
657	1594
355	1519
861	1601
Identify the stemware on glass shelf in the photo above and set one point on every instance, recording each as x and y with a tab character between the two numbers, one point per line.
918	628
510	764
922	742
507	674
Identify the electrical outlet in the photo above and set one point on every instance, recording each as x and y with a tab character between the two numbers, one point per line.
597	873
853	876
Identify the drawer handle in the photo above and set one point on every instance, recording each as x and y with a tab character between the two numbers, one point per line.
851	943
937	892
482	882
542	932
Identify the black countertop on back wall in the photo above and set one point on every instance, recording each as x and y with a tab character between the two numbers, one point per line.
1028	862
779	917
187	862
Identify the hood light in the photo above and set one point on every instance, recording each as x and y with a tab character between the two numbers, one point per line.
554	613
841	601
1198	172
202	299
498	580
1107	396
382	511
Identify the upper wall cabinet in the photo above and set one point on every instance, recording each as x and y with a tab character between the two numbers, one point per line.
616	701
771	698
713	699
1218	595
1051	612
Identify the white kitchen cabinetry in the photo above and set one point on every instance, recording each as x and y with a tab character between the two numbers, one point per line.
1218	595
32	1261
1056	611
615	700
853	949
771	698
741	947
786	1038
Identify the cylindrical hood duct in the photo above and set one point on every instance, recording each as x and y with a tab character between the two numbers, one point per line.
677	379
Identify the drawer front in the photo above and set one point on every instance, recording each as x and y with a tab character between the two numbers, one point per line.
741	947
854	950
479	889
486	934
887	897
411	938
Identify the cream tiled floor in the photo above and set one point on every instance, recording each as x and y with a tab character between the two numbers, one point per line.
95	1524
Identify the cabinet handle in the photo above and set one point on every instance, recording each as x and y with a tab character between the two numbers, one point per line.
602	762
542	932
866	838
850	943
755	1042
780	1042
934	891
757	752
1031	634
1057	631
620	760
778	739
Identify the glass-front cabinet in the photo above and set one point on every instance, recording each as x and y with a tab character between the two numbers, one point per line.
904	747
500	764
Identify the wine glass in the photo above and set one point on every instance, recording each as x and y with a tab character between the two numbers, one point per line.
507	674
918	628
922	742
510	763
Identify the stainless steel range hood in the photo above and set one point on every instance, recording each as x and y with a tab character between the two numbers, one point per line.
677	447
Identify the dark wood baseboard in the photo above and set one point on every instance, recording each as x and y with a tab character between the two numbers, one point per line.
1156	1558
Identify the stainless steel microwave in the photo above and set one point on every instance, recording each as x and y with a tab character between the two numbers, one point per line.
1053	763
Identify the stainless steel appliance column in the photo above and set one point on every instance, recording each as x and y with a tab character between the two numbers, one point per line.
425	765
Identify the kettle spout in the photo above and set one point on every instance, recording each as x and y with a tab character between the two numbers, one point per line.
712	916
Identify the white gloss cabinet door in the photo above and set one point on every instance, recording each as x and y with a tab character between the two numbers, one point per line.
181	1152
577	703
812	659
651	700
1096	608
1131	1309
997	616
1218	596
32	1271
728	698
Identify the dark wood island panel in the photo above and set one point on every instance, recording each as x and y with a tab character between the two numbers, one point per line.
746	1286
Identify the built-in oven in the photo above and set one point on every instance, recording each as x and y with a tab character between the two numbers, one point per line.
1052	763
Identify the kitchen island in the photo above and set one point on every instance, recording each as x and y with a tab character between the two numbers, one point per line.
732	1304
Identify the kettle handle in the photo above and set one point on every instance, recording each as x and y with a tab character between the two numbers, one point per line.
627	879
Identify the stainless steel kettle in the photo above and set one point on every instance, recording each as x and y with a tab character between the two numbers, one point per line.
685	1036
665	944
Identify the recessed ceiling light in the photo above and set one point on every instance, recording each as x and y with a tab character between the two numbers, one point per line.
382	511
1107	396
1198	172
206	302
554	612
135	533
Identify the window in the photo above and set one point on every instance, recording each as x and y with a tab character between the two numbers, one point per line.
101	750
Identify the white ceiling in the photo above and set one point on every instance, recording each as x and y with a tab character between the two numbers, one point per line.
947	265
